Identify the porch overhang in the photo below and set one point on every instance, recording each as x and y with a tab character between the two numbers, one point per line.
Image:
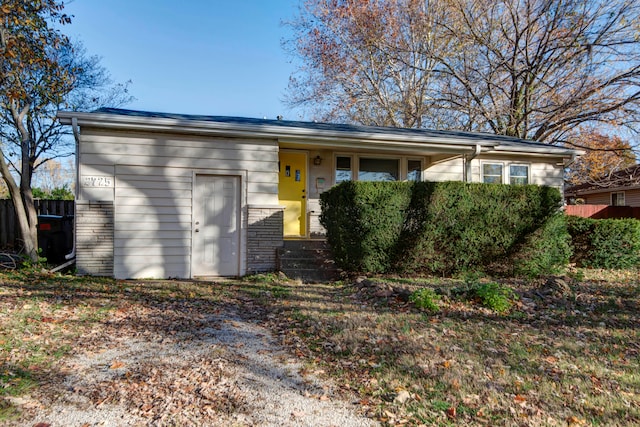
378	145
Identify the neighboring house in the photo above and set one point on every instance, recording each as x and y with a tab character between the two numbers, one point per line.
621	188
170	195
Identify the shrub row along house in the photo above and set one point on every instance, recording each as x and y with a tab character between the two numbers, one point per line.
171	195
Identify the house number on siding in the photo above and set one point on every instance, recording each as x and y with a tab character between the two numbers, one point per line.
97	181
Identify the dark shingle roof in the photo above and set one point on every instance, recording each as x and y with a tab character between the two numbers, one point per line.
428	134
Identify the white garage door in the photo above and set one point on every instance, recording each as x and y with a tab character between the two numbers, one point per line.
216	234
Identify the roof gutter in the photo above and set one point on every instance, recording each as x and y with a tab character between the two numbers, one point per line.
297	135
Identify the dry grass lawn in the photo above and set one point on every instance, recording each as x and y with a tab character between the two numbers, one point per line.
557	357
565	356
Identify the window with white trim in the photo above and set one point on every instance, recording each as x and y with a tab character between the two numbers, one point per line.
518	174
383	168
492	173
617	199
505	173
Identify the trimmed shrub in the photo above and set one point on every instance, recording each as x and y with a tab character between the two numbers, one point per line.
605	243
363	221
440	228
545	251
470	225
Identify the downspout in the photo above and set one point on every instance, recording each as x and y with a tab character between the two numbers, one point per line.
467	162
565	165
76	136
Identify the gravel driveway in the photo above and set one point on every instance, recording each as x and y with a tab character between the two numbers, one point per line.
173	367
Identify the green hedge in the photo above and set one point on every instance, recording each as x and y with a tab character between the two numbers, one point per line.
547	250
363	222
440	228
605	243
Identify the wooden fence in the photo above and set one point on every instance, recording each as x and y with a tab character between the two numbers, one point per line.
9	234
603	211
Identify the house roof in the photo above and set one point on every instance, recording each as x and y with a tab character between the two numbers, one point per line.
624	179
314	133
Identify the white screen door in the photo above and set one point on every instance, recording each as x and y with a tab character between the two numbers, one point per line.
216	237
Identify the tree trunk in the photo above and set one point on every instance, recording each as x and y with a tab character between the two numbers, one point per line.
30	233
28	229
23	197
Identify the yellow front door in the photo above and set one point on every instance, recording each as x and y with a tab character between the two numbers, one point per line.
292	192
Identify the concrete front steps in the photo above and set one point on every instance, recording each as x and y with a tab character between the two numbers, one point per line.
307	260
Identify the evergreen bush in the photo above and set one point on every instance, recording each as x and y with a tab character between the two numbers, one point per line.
494	296
605	243
545	251
440	228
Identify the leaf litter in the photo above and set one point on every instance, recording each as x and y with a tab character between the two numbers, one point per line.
165	353
567	352
564	355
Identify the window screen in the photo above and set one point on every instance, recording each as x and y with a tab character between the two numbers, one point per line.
343	169
378	170
414	170
519	174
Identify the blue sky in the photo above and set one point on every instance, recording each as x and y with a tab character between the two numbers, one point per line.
215	57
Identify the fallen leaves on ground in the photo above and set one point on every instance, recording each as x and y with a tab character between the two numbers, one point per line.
565	358
558	358
201	389
94	318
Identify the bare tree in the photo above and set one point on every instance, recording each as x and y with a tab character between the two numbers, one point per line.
536	69
540	69
54	174
368	62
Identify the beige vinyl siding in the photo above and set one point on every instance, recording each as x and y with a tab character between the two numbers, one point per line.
449	170
259	158
152	191
152	267
598	199
196	162
632	197
111	144
94	170
146	210
159	242
548	174
542	171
